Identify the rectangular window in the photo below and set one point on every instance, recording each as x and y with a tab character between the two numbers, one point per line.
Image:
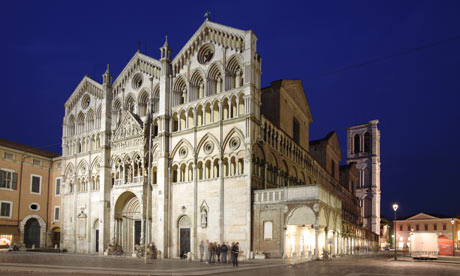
5	209
56	213
417	228
268	230
444	227
435	226
8	179
408	227
295	130
400	227
8	155
36	162
35	184
426	227
58	186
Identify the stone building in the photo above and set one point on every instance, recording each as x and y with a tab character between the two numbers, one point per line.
180	150
363	148
30	191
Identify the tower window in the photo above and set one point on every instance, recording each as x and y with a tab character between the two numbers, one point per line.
356	144
295	130
367	142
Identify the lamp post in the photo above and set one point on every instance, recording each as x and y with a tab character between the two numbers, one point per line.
453	237
395	207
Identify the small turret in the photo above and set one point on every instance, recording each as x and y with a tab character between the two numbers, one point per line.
166	51
107	78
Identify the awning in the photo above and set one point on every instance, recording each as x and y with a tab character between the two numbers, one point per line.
9	230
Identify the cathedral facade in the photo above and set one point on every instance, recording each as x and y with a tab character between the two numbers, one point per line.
191	180
183	150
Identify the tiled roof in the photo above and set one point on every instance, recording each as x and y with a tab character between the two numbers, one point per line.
26	148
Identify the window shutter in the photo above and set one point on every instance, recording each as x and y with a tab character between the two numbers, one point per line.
15	181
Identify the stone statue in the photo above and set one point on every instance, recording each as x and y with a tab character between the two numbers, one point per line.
119	117
204	218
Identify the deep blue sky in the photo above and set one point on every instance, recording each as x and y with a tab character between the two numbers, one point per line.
47	47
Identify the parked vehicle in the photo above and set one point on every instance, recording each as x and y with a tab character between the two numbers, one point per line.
424	245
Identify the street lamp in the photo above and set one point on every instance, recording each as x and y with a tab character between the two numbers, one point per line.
395	207
453	237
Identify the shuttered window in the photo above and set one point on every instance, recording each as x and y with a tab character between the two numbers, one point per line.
8	179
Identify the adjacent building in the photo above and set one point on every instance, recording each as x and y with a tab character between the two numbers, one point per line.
30	191
423	222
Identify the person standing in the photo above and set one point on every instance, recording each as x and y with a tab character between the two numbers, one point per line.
231	252
206	250
218	250
201	251
224	250
210	253
213	252
235	251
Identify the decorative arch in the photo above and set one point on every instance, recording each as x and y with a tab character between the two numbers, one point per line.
205	138
179	91
42	223
231	133
178	146
302	215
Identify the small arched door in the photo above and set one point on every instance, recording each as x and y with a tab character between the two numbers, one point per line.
184	236
32	233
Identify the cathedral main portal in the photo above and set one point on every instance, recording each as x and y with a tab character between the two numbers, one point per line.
128	222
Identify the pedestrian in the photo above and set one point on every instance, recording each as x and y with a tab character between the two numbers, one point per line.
235	251
231	252
201	251
218	250
210	253
213	252
224	250
205	249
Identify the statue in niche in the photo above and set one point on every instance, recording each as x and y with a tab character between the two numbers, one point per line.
204	217
128	175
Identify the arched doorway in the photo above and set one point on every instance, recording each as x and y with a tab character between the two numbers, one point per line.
32	233
96	235
300	233
184	236
128	222
55	237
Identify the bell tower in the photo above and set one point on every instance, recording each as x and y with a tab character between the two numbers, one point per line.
363	148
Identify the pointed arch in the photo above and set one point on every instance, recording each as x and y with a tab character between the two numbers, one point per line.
234	72
233	132
90	120
197	85
180	91
142	101
130	102
214	79
178	146
205	138
98	116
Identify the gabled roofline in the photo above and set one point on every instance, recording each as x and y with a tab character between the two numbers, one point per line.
209	24
80	85
137	55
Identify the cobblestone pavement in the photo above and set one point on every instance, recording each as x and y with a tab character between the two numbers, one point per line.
41	264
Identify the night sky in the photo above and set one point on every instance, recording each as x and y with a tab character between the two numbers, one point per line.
395	61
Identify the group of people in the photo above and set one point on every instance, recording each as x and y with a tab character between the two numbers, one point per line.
212	251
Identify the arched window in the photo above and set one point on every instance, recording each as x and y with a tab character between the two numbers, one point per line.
214	81
180	92
234	73
175	122
207	114
80	123
142	103
216	168
98	117
130	103
71	126
90	120
199	170
174	174
196	86
367	142
356	143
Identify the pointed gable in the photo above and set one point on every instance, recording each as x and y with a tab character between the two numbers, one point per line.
209	31
86	85
295	90
138	63
130	127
